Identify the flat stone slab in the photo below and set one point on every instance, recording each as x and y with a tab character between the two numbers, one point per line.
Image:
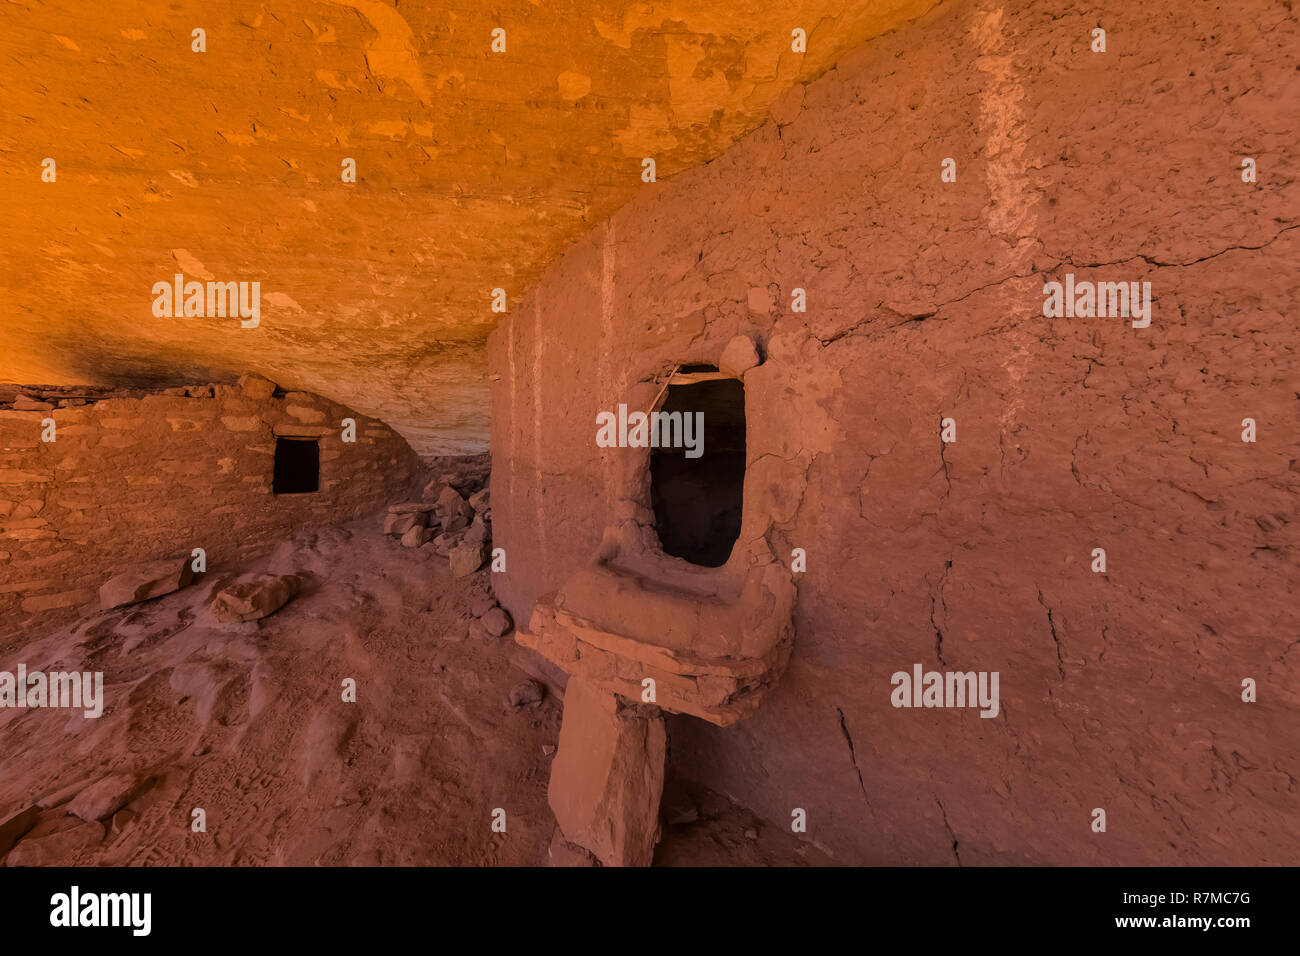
608	776
146	581
411	507
416	537
104	797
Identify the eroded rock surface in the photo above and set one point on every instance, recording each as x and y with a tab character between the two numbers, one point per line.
475	168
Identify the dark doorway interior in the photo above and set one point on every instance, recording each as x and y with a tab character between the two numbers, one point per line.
697	501
297	466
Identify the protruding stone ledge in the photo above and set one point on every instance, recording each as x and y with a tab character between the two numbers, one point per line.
713	657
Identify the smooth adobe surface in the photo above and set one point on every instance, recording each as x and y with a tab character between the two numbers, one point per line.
1119	690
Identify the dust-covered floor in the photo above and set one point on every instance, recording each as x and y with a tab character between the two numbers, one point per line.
247	723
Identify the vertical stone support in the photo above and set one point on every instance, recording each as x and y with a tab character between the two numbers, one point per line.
608	775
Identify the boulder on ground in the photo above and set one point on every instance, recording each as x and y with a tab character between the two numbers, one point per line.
253	598
496	622
527	693
467	558
415	537
451	504
477	533
445	542
455	523
479	500
467	473
146	581
402	523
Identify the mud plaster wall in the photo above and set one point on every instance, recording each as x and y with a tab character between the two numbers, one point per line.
1119	690
133	479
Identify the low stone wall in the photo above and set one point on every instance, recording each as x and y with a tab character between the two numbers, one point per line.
133	476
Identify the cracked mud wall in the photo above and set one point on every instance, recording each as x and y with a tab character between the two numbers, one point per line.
1119	690
132	477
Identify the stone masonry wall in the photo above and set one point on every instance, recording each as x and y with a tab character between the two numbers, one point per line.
1119	690
136	478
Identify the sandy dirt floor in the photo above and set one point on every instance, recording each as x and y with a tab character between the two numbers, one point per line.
247	723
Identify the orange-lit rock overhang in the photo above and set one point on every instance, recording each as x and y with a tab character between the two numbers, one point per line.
474	168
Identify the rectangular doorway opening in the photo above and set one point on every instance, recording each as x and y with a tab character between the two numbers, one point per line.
297	466
697	500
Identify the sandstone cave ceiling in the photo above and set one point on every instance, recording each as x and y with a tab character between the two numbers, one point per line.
474	170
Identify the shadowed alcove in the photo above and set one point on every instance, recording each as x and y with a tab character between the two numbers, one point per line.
297	466
697	500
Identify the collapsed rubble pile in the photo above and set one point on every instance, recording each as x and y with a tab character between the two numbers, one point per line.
454	517
454	514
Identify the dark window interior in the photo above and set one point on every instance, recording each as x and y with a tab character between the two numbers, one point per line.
697	501
297	466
